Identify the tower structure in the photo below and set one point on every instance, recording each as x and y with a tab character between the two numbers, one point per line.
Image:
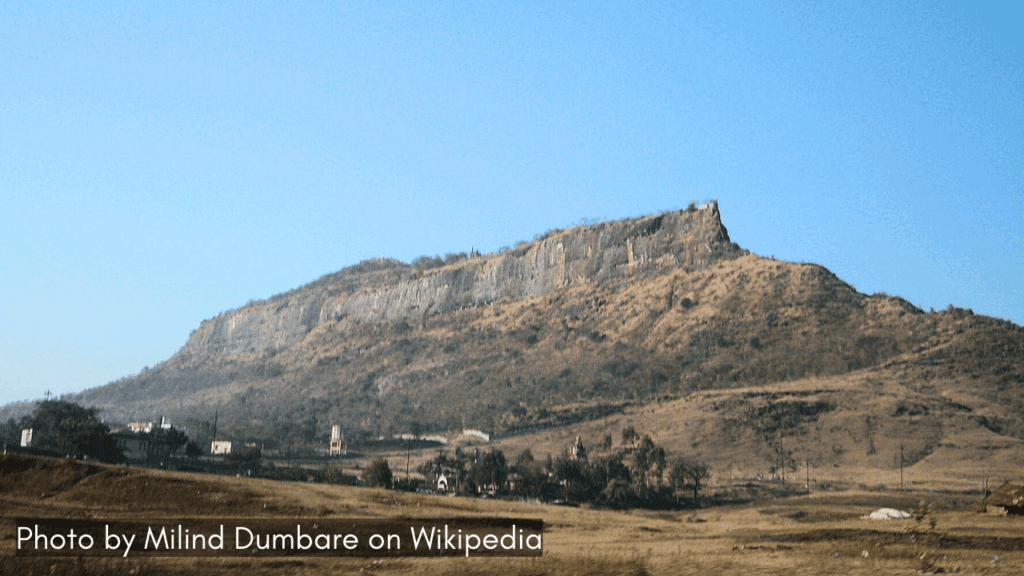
335	440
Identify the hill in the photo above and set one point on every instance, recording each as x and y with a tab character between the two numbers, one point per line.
588	325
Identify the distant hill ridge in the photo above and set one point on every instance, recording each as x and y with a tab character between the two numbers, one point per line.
687	239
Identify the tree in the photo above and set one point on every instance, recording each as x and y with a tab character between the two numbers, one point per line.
441	464
689	473
248	460
629	435
525	460
175	439
378	473
68	428
490	470
192	450
649	461
164	442
451	257
618	493
425	262
607	468
10	432
309	429
530	476
570	473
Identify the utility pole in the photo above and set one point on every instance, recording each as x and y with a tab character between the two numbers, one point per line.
901	467
807	467
782	457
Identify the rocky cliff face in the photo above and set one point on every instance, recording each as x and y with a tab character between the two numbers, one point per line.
576	325
689	239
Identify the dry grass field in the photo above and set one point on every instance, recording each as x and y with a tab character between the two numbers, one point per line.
821	533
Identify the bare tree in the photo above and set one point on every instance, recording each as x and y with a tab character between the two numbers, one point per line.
689	474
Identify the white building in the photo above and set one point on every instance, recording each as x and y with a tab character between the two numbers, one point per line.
220	447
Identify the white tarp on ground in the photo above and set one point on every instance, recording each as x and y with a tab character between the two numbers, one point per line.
889	514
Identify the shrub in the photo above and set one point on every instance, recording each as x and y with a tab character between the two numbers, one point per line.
378	473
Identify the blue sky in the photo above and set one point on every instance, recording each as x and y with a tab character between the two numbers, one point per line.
163	162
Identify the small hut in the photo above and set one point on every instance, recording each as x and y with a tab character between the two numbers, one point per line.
1008	499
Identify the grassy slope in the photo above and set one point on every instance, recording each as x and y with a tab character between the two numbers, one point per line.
750	321
823	534
856	442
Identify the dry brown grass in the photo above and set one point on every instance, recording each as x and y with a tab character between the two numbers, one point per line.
822	534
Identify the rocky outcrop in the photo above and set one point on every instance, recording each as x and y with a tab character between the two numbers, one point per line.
690	239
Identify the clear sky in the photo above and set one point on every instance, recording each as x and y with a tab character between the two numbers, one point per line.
161	162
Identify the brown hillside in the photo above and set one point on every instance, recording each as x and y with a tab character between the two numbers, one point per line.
577	326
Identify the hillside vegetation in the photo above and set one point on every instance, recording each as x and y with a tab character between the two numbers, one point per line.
581	328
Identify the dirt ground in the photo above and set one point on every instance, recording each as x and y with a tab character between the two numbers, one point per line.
820	533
